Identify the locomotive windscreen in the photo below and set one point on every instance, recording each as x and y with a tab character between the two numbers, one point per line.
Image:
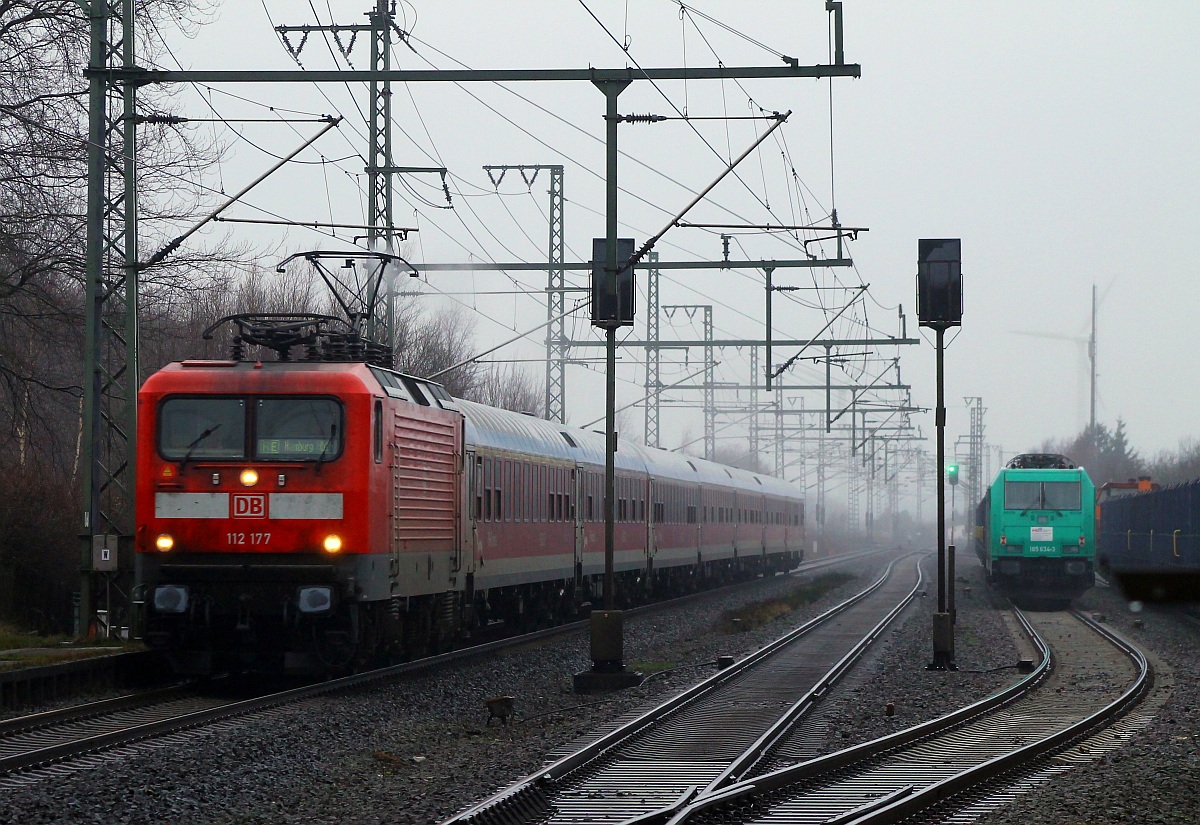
297	428
190	428
1042	495
281	428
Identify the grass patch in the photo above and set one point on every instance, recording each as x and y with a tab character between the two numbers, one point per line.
67	654
11	639
764	612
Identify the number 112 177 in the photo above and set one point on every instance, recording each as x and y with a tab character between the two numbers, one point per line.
248	538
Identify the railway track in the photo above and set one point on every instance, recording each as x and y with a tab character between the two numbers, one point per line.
1091	676
711	735
46	744
687	761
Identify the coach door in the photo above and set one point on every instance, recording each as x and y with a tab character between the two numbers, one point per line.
472	501
648	515
579	495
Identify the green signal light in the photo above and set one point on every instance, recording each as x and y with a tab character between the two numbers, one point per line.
952	473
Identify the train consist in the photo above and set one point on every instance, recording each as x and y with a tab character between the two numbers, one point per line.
1035	529
311	515
1150	540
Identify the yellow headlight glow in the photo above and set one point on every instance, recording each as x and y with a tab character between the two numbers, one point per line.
249	478
164	542
332	544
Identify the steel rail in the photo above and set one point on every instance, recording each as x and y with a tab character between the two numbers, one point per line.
89	710
531	792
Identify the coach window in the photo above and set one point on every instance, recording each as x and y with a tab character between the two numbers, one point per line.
497	475
477	488
538	493
526	491
518	494
507	487
535	507
486	487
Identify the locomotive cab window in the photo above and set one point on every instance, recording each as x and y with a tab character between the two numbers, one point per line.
298	429
1042	495
192	428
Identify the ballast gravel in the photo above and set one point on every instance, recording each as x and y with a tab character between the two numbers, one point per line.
420	750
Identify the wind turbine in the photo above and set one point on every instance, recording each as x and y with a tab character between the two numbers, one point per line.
1090	341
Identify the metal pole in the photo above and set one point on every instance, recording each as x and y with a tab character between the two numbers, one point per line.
940	421
611	91
93	323
950	577
610	419
768	271
1092	358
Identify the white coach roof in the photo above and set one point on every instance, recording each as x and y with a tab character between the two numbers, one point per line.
505	430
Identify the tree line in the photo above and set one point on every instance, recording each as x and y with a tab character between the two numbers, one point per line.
1107	455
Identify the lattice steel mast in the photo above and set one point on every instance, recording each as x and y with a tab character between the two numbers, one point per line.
557	350
110	324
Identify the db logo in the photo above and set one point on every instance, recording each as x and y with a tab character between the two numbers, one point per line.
245	506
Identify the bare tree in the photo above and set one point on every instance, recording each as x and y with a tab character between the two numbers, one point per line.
427	344
505	385
44	46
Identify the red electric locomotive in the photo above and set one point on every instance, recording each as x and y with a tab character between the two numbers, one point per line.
307	516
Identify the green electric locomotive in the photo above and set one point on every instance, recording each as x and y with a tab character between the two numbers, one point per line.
1035	530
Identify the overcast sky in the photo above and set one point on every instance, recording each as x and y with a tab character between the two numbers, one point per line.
1058	140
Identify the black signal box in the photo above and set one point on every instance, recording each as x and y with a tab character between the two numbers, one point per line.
609	309
939	282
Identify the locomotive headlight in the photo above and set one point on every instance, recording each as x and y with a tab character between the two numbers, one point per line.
332	544
164	542
249	478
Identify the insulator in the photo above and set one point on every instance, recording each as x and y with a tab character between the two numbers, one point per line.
646	118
